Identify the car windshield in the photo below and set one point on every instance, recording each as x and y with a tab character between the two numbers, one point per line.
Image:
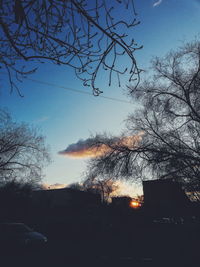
15	228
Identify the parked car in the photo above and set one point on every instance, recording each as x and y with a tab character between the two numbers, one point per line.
19	235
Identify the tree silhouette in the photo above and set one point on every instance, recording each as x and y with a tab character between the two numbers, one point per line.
167	125
97	185
105	187
15	199
22	151
87	36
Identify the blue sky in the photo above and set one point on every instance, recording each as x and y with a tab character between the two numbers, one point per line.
64	116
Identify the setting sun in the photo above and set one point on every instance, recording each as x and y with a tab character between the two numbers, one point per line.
135	204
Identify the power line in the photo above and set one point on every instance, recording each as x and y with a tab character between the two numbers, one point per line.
77	91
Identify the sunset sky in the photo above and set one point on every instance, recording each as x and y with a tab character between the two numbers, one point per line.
65	117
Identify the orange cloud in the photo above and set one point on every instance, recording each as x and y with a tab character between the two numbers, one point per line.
88	152
88	149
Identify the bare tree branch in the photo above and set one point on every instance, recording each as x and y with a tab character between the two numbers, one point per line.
169	120
85	35
22	151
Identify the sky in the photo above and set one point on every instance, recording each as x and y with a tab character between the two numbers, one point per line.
65	116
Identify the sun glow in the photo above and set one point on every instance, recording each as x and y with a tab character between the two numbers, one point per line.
135	204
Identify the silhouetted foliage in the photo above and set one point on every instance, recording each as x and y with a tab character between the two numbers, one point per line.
105	187
15	200
87	36
22	151
167	126
97	185
76	186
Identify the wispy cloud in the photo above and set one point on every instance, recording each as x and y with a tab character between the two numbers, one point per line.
157	3
94	147
41	119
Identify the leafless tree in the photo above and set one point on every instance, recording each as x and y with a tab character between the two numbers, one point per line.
117	158
168	123
103	186
22	151
87	36
97	185
76	186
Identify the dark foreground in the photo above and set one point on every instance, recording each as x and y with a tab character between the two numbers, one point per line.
148	245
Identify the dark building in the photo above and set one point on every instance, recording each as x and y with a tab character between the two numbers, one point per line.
65	197
165	198
64	204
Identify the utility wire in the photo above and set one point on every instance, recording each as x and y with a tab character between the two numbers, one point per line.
78	91
75	90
